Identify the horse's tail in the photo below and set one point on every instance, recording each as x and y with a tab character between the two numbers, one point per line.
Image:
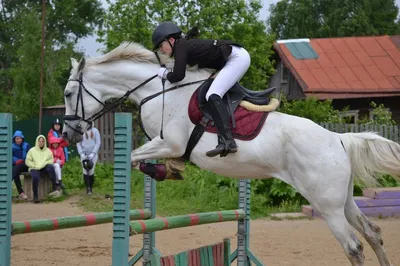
371	154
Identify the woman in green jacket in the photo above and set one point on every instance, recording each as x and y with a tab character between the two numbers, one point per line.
40	160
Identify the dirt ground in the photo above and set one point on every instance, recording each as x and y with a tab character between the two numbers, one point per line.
283	243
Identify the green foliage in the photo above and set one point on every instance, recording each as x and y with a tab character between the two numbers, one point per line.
321	19
382	116
134	20
20	50
311	108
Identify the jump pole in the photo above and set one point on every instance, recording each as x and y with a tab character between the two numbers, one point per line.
58	223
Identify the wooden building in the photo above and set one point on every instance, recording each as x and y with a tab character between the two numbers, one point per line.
352	71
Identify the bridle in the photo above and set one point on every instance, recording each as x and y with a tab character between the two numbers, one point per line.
106	107
114	104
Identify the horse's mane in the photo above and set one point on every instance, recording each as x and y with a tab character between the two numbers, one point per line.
130	50
136	52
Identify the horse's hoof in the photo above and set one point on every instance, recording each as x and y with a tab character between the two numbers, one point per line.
135	165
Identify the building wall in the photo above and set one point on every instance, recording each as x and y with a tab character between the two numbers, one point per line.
286	83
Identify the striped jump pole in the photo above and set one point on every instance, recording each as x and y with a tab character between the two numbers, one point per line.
32	226
165	223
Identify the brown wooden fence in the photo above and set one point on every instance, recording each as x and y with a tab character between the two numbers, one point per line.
105	125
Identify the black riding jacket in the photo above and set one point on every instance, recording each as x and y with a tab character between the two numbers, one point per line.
205	53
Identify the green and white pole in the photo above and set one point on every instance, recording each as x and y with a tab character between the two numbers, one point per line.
172	222
58	223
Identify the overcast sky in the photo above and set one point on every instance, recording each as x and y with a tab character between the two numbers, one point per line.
90	46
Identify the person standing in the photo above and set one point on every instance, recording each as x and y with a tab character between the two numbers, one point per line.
88	150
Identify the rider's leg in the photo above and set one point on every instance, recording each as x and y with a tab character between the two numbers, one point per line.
236	66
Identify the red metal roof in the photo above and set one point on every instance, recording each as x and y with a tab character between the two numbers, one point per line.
350	67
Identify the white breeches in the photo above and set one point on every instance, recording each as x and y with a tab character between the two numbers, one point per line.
57	169
237	64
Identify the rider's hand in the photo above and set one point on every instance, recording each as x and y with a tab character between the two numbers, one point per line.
91	156
162	73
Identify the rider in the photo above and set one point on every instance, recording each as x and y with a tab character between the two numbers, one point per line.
227	57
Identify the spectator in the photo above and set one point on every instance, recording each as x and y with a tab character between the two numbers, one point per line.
88	149
40	159
56	131
59	159
20	149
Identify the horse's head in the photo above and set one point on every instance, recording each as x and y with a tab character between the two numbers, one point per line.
81	102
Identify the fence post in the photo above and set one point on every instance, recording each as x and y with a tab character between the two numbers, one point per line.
122	188
5	188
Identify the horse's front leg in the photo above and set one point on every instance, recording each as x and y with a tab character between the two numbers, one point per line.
157	148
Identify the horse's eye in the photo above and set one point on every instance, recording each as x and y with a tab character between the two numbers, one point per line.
68	94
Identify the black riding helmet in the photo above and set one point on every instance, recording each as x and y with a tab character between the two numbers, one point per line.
164	31
56	121
87	164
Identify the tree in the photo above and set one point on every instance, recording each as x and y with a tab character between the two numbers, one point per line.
322	18
134	20
20	45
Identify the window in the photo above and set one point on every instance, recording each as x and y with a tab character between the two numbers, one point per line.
349	117
284	73
300	48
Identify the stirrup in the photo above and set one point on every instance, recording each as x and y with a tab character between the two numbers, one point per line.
222	148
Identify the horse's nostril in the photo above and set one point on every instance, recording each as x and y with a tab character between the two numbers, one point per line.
65	135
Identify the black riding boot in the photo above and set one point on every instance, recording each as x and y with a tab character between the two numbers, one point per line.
91	182
86	180
220	116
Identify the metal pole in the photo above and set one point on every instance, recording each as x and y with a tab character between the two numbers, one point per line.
42	65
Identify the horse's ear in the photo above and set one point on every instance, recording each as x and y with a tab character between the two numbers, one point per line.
81	64
74	63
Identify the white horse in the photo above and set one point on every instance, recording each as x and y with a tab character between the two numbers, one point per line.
320	164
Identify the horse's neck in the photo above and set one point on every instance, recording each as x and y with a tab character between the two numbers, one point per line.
114	79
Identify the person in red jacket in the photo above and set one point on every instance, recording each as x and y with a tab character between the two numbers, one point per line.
59	159
56	131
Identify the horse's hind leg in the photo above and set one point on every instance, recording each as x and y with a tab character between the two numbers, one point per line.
329	199
343	232
370	231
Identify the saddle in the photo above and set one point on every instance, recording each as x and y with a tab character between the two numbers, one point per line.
233	97
245	124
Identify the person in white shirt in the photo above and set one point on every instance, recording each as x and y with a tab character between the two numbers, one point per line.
88	150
